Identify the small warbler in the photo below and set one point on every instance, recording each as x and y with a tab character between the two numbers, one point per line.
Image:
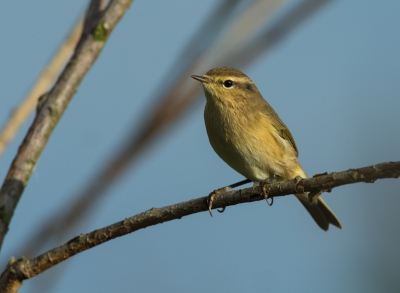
249	136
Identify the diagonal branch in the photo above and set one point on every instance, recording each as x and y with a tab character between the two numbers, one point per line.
52	106
291	19
17	271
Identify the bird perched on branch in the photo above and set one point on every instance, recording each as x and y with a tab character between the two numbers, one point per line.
249	136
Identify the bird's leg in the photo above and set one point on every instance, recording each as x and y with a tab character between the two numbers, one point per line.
265	193
264	185
297	179
221	190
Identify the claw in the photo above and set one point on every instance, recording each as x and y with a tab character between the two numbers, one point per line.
223	189
269	203
264	185
221	210
210	200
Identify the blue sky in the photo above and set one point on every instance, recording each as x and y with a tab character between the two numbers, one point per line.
334	81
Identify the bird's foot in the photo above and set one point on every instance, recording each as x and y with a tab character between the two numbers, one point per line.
222	190
297	180
211	196
264	185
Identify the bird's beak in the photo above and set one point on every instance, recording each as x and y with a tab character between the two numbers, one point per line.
202	79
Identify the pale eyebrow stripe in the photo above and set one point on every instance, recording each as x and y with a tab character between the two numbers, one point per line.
239	79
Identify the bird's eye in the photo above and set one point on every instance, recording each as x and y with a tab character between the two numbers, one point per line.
228	83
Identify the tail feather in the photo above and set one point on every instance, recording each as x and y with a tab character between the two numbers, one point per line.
319	211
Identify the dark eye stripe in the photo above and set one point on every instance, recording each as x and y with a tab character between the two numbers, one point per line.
248	86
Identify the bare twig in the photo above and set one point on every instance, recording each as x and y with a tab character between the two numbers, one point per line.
92	15
273	35
22	269
52	107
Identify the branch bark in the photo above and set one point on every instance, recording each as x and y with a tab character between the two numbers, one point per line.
52	105
19	270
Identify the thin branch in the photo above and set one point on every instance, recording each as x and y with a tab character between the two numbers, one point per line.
51	107
291	19
92	14
44	81
17	271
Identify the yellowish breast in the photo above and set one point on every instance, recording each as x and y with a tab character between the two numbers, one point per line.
248	142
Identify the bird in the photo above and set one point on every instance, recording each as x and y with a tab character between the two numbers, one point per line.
248	135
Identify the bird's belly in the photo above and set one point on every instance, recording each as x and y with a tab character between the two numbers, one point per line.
250	145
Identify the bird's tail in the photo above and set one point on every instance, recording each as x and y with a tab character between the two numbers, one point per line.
320	211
